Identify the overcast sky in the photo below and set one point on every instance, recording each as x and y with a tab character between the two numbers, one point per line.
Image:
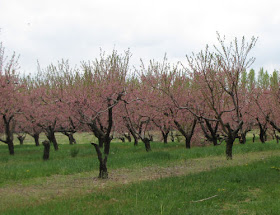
76	30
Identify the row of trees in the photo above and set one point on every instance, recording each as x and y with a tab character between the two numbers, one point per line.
213	98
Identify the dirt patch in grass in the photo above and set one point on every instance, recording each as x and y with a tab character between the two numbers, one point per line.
45	189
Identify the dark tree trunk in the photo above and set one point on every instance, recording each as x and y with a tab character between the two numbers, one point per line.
128	137
272	124
122	139
188	142
103	171
215	141
229	146
262	135
9	137
100	142
172	137
131	131
11	147
70	137
242	138
103	135
147	144
277	138
135	141
165	136
263	129
9	130
46	154
36	139
231	135
188	134
104	139
21	139
51	137
210	131
151	137
254	137
134	137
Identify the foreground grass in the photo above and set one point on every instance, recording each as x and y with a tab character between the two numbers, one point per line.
167	180
27	163
248	188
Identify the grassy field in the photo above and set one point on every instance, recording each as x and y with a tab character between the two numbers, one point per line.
168	180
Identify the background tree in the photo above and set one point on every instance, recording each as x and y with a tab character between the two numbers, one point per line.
11	97
217	76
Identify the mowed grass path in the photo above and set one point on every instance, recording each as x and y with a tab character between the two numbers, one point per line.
165	181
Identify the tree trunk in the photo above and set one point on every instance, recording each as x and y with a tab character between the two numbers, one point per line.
100	142
122	139
277	138
135	141
172	137
103	171
210	131
229	146
36	139
51	137
21	139
147	144
188	134
128	137
215	141
70	137
188	142
10	143
46	154
262	135
11	147
165	136
263	129
254	137
9	134
230	137
133	134
242	138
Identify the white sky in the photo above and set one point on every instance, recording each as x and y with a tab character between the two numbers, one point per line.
76	30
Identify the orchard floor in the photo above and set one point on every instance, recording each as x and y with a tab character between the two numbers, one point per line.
168	180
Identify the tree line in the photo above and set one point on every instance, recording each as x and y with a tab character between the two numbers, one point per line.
213	98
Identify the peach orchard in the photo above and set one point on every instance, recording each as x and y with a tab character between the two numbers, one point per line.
210	98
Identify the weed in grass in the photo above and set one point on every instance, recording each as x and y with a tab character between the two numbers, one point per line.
74	152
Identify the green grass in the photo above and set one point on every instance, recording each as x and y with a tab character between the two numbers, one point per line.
27	163
241	188
248	189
